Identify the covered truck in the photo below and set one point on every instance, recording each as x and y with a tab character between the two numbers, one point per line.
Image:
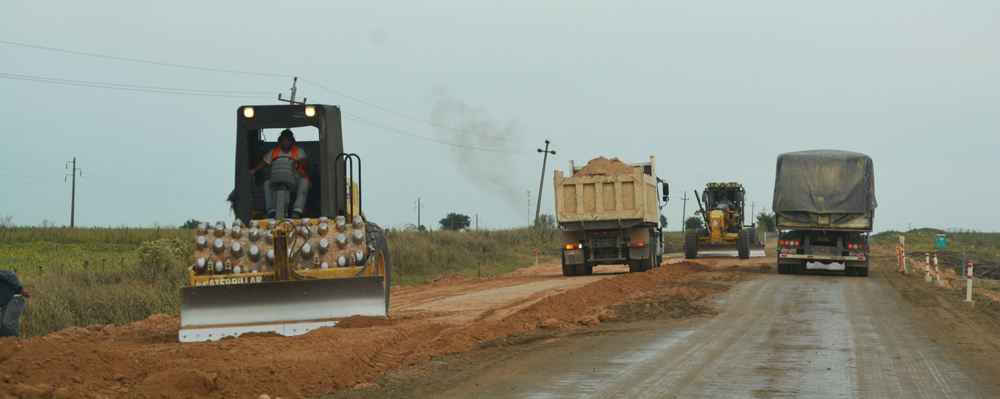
609	213
824	204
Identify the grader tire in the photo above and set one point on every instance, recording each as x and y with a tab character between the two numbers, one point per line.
743	243
690	244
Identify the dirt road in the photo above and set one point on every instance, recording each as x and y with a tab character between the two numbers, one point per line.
781	336
517	334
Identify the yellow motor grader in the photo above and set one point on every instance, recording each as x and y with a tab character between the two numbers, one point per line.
283	275
725	234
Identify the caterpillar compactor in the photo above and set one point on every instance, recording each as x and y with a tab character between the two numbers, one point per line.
282	275
725	234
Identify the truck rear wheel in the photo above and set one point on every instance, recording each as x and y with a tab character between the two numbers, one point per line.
567	269
690	244
743	243
583	269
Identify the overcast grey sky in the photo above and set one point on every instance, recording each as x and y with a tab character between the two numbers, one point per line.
715	90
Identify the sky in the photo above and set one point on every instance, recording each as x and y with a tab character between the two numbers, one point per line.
448	102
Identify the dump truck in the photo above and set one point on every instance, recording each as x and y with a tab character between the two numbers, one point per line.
724	234
824	204
282	275
609	213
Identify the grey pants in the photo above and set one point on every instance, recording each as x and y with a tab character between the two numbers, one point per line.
9	317
301	191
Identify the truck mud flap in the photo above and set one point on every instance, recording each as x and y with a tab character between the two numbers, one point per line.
281	302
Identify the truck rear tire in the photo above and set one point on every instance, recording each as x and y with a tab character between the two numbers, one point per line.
690	244
743	243
583	269
567	269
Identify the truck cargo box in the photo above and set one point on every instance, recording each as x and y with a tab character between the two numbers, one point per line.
824	189
603	201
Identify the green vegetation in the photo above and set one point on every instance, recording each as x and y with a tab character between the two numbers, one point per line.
86	276
765	221
68	294
419	257
455	222
693	222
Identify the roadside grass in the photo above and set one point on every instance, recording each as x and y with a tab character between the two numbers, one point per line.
82	277
67	294
419	257
981	249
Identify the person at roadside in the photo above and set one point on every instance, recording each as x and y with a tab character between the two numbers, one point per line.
12	295
286	147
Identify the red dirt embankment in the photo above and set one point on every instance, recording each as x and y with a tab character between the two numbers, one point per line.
146	360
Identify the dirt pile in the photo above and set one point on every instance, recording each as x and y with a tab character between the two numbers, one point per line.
601	166
146	360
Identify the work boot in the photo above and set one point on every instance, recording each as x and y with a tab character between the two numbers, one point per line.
296	214
270	215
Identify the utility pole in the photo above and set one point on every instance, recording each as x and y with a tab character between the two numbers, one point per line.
751	210
477	222
684	210
72	204
538	206
418	213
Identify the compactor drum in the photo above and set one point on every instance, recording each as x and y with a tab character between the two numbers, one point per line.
725	234
287	276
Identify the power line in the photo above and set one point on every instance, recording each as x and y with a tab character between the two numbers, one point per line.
142	61
204	93
408	134
412	118
116	86
149	196
151	186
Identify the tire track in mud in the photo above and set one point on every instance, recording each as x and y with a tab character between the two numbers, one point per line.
894	356
668	372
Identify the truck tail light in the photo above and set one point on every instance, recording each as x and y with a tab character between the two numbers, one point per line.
574	246
637	244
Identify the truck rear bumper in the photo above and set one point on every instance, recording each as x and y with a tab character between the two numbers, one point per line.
821	257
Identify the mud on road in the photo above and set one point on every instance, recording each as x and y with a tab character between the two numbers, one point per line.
436	335
453	314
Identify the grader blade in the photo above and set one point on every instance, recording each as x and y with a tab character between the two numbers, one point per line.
213	312
717	251
728	251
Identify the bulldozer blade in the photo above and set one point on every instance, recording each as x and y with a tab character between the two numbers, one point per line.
757	251
285	307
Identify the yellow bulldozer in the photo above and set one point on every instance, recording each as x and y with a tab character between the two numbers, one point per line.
725	235
278	274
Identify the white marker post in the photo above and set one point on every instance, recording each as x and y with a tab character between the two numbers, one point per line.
927	267
902	254
968	288
937	273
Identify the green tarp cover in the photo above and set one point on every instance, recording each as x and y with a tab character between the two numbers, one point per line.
824	182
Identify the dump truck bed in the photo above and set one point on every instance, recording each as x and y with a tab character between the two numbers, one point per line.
621	200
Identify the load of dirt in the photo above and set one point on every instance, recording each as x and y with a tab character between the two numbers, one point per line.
601	166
